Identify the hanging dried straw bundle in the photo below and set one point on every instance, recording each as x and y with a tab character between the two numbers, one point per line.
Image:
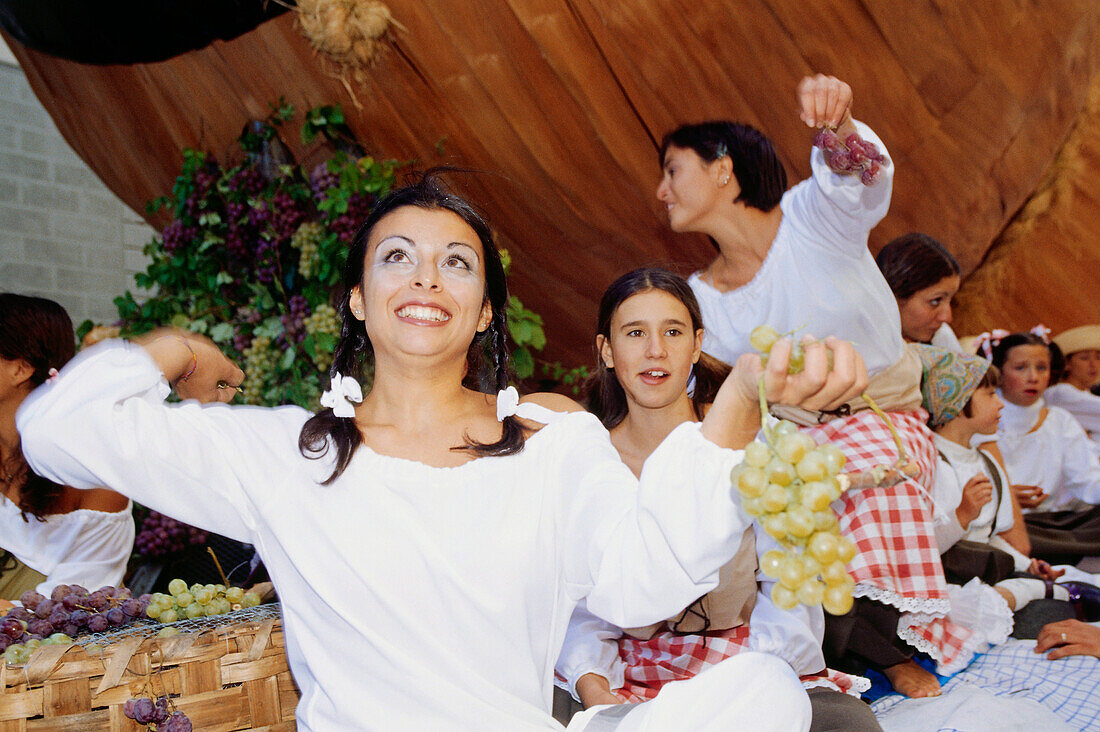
349	32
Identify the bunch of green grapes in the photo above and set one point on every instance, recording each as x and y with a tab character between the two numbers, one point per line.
260	360
323	320
787	484
196	601
305	240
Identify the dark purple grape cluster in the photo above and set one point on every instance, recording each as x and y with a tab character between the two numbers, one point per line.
176	236
160	535
287	216
247	181
294	321
267	261
241	340
320	180
851	156
346	224
69	611
145	710
205	179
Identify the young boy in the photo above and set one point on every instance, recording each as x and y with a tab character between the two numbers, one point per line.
973	501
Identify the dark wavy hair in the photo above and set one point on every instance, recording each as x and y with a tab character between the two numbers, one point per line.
604	394
914	261
1006	344
39	332
756	165
486	359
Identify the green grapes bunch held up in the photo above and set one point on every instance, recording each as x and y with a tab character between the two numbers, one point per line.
788	483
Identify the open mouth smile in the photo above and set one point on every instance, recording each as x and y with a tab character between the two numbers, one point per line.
423	314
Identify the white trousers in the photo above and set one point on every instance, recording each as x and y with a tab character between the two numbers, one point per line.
749	691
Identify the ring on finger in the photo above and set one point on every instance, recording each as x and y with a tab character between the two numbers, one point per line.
1063	637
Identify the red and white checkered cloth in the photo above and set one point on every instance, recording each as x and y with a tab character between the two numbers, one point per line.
898	562
668	656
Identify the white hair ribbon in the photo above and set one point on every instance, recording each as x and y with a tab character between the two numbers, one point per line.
985	342
339	397
508	406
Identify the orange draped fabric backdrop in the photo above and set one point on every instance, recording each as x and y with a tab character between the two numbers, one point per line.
563	102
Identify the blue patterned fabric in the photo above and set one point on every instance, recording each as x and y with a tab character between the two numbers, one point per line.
948	382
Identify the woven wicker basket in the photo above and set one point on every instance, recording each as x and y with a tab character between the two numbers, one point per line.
231	678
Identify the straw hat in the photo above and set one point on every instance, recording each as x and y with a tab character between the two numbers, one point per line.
1081	338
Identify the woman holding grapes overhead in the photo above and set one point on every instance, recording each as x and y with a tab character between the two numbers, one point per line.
797	260
50	533
436	533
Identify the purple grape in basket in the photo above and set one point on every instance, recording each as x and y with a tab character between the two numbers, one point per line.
133	608
59	616
59	592
115	616
79	590
97	623
72	600
79	617
144	710
161	710
30	599
41	627
177	722
97	600
71	629
20	613
45	608
128	708
5	641
11	627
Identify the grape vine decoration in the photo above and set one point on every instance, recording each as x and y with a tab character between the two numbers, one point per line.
787	483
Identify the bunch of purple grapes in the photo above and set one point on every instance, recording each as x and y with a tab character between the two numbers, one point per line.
176	236
294	321
851	156
247	181
320	180
236	241
267	261
144	710
346	224
70	610
205	178
160	535
287	216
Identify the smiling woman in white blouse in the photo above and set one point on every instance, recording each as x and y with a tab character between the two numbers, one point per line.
430	541
59	534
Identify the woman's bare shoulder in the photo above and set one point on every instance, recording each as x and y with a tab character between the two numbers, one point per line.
552	401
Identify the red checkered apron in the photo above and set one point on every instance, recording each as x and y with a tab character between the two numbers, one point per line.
668	656
897	562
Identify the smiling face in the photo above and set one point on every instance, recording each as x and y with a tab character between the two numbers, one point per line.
651	347
1025	374
927	309
423	289
1083	369
690	188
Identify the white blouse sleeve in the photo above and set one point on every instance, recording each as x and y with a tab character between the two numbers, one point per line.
1083	405
945	499
793	635
643	550
104	422
590	647
1080	467
837	211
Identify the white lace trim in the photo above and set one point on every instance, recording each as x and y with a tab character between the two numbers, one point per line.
919	607
860	684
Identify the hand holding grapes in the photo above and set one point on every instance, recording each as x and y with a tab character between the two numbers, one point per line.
194	366
977	492
825	101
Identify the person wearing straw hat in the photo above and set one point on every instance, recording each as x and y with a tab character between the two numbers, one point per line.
1081	348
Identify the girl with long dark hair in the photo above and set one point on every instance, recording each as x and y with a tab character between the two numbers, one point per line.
59	534
649	352
923	276
430	538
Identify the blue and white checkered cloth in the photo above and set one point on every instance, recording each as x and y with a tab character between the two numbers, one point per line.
1068	687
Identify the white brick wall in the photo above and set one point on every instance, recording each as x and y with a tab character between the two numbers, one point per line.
63	234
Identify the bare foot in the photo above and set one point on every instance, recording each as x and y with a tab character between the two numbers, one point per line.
911	680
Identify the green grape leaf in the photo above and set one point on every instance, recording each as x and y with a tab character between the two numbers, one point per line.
288	358
222	332
523	363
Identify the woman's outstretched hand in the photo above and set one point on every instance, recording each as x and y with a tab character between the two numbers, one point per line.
826	101
734	419
193	365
